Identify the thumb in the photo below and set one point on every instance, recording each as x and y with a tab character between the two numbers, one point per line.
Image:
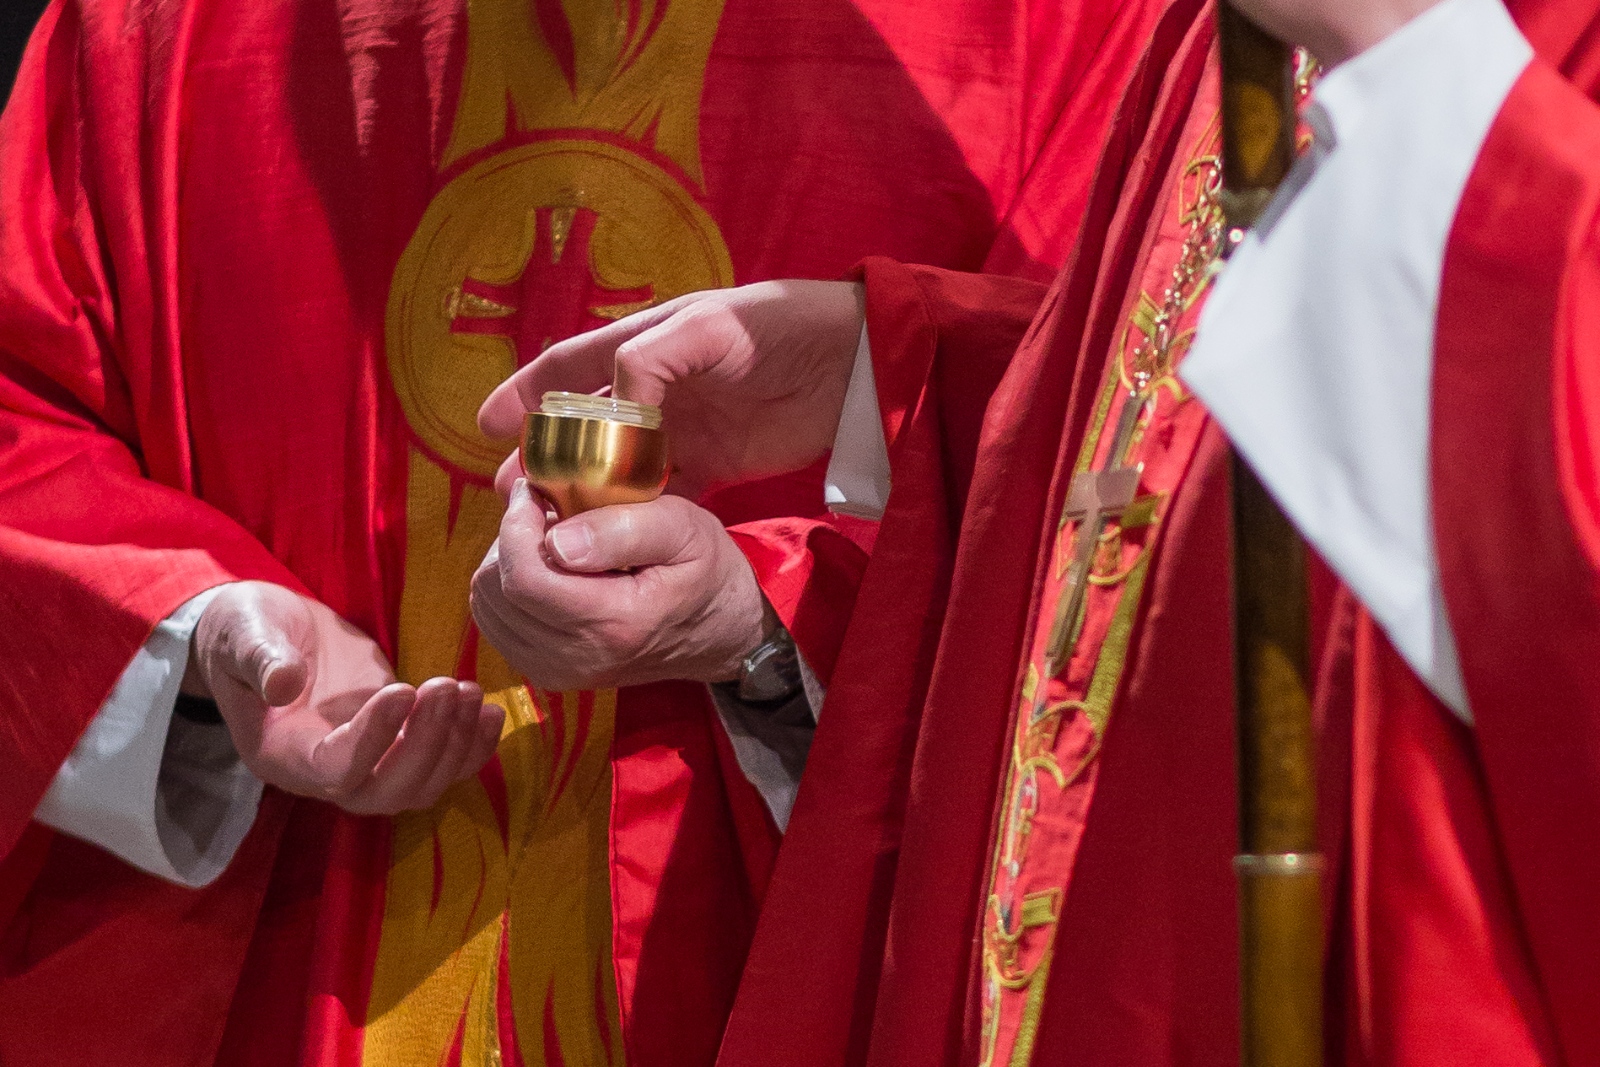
266	659
625	536
281	674
258	643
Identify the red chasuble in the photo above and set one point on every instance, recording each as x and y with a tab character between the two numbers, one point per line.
259	263
1013	845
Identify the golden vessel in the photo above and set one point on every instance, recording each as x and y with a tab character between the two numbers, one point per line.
584	452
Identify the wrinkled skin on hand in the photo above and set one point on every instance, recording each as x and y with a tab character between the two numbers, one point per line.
1334	30
751	380
618	596
313	707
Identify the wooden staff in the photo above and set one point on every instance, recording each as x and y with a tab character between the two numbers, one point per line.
1279	868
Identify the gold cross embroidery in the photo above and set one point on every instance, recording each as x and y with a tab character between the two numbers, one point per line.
1096	498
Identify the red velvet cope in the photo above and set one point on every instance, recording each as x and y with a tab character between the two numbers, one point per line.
678	818
1566	33
1439	970
810	572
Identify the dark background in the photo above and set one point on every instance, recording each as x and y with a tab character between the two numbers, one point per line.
16	21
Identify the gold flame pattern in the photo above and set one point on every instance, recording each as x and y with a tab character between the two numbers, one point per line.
496	938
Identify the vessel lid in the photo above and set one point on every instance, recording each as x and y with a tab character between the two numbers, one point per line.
587	406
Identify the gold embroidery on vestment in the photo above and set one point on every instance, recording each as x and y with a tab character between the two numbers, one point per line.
577	173
1153	341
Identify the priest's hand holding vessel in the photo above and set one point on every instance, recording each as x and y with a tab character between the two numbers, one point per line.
627	589
751	380
619	595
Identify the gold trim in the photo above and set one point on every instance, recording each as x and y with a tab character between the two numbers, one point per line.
1139	376
1032	1011
1097	426
1114	649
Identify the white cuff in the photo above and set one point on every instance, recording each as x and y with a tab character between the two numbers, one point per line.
857	483
167	795
1315	352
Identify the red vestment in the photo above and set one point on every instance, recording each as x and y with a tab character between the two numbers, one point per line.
259	263
990	862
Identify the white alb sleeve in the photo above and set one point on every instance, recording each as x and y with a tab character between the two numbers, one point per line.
857	482
167	795
1316	350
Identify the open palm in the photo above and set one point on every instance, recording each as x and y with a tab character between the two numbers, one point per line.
313	708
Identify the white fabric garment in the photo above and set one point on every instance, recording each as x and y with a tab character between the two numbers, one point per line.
166	795
1315	352
857	483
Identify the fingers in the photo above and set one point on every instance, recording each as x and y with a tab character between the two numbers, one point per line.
456	762
313	707
507	475
398	780
624	536
347	756
520	547
406	747
579	364
689	343
690	594
638	356
426	758
518	582
491	721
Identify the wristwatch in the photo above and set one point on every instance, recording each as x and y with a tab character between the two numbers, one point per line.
770	673
200	710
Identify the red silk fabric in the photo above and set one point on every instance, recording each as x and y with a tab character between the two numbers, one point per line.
1514	475
1461	891
206	203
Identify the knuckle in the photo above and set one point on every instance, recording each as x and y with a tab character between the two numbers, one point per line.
634	353
254	649
618	638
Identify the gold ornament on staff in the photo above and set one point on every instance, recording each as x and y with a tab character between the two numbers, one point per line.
1279	866
584	452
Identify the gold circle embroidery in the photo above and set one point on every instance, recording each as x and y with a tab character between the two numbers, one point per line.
649	235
